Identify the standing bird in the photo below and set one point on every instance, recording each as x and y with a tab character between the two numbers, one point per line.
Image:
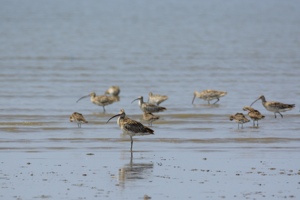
149	117
148	107
255	115
131	127
209	95
113	90
275	107
239	118
78	118
156	98
101	100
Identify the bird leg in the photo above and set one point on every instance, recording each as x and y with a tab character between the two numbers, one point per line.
131	143
280	115
217	101
103	109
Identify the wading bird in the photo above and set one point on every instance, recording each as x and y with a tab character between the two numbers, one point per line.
239	118
113	90
275	107
101	100
149	117
78	118
131	127
148	107
156	98
209	95
255	115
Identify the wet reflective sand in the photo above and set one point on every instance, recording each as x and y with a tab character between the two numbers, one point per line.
182	160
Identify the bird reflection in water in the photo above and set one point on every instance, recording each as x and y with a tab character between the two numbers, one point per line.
134	171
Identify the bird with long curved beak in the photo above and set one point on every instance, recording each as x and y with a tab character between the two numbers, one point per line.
131	127
209	95
273	106
101	100
148	107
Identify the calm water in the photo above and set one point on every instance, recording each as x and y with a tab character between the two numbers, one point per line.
53	52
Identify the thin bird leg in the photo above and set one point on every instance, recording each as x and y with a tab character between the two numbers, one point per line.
257	123
131	143
254	123
238	125
280	114
275	115
217	101
104	109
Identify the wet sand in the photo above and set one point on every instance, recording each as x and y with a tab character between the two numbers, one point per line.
60	161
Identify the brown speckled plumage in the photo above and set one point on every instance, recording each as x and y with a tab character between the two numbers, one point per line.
209	95
131	127
78	118
273	106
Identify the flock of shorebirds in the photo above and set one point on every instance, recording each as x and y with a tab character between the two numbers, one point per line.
134	128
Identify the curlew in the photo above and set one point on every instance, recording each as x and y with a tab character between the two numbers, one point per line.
149	117
239	118
113	90
78	118
255	115
156	99
209	95
148	107
275	107
131	127
101	100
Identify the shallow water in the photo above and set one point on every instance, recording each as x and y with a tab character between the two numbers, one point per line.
54	52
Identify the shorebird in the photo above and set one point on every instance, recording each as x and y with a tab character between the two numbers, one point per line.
131	127
239	118
255	115
78	118
148	107
113	90
156	98
275	107
101	100
149	117
209	95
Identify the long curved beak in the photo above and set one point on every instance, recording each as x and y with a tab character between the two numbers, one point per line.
135	100
113	117
194	98
82	98
254	102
